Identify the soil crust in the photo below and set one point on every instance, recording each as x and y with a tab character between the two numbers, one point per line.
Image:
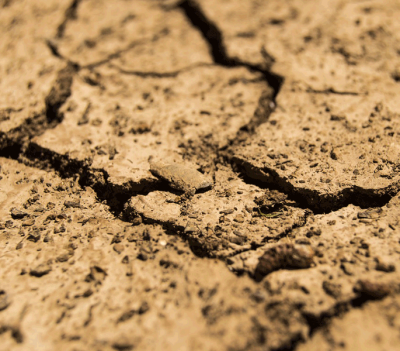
199	175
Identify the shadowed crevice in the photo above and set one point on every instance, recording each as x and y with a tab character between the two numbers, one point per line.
130	46
154	74
98	179
14	141
70	15
209	30
59	94
214	37
314	200
9	148
333	91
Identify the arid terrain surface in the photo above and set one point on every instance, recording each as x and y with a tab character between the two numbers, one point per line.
199	175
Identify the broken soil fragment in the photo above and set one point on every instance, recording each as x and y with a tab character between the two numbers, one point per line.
4	300
17	214
284	256
180	177
41	270
218	223
372	290
72	203
271	201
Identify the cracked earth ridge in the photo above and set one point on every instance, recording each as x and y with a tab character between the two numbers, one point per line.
226	234
302	172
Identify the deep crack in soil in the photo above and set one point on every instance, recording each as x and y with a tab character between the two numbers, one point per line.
313	200
214	37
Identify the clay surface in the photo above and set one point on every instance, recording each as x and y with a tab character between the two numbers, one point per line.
199	175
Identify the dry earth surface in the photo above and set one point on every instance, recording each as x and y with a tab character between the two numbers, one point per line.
199	175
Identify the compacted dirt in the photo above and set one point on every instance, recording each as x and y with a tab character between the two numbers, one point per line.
200	175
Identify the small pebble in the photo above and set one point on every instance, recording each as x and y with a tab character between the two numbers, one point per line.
236	239
179	176
17	214
63	257
9	224
372	290
72	203
34	236
29	222
384	265
239	218
40	270
118	248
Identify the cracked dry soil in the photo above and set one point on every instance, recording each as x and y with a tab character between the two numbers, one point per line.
199	175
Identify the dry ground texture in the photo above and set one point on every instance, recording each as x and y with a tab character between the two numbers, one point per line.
199	175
